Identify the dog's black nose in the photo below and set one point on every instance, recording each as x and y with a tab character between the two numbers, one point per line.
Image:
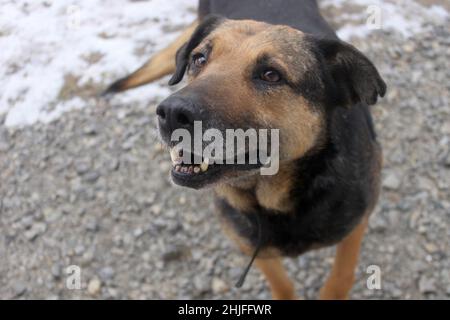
176	113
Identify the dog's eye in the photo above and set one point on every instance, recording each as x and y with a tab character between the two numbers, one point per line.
270	76
199	60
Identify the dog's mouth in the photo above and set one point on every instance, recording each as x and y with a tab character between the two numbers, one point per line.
197	176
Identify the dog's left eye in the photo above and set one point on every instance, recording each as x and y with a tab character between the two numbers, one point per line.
199	60
270	75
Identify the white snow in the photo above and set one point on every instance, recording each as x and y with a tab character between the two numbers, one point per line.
403	16
42	41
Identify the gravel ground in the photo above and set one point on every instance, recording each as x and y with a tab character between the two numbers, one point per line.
92	189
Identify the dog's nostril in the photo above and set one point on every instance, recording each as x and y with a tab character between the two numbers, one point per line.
182	119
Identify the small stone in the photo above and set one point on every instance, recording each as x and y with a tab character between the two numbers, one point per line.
447	160
82	166
391	182
36	230
51	215
87	257
106	273
156	209
114	293
146	256
138	232
92	176
172	253
114	164
219	286
379	224
27	221
431	247
94	287
80	249
4	146
201	285
92	224
128	145
408	48
56	271
19	288
396	293
90	129
427	285
147	200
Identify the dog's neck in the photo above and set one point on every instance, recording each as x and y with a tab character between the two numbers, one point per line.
258	191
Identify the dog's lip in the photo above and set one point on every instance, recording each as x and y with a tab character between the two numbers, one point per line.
212	175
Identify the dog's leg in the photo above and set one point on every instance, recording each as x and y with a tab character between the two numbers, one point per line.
279	282
341	278
162	64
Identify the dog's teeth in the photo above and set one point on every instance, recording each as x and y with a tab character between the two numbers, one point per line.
177	168
205	164
175	155
190	169
196	169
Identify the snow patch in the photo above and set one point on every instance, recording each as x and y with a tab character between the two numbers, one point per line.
98	41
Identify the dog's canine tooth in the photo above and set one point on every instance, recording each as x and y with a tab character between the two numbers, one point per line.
205	164
175	155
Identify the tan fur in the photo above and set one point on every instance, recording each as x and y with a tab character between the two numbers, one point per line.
272	192
276	275
236	46
240	198
342	276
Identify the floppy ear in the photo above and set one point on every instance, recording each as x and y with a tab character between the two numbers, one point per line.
354	78
182	57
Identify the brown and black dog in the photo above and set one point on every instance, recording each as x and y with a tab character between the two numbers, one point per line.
278	64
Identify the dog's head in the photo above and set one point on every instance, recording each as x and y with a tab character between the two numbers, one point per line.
247	74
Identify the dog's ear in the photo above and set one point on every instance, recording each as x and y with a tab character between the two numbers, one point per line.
182	58
353	77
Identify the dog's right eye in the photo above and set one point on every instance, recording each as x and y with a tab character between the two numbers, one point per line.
199	60
270	75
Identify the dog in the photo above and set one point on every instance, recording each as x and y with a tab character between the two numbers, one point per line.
278	64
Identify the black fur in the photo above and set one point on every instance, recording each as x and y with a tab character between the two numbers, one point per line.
183	54
300	14
352	77
333	190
